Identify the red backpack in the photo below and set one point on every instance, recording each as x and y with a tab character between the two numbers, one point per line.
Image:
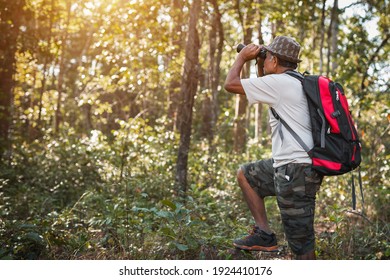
337	148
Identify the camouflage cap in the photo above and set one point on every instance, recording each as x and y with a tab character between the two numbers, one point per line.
286	48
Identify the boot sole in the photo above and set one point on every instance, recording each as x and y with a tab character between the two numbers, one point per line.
257	248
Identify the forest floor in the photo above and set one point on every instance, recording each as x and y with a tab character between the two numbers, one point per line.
284	253
281	254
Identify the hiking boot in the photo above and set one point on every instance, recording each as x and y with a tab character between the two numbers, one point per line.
257	240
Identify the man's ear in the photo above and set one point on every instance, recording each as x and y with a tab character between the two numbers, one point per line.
275	62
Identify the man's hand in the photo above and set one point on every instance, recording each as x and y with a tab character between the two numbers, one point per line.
249	52
233	80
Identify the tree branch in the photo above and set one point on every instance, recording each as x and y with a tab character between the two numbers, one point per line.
374	55
351	5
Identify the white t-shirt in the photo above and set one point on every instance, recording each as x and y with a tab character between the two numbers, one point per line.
285	94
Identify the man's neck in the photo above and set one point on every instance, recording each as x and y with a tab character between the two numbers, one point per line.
281	69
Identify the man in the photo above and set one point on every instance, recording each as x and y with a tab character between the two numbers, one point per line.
288	175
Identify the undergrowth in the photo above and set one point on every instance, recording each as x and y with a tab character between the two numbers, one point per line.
103	197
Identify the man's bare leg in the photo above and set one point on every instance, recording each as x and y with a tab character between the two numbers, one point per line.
255	202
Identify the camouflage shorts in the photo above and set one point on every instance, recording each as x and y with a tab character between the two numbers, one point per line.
295	186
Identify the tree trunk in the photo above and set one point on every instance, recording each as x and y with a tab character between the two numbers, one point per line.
240	123
322	32
61	73
177	44
210	106
335	36
10	22
189	84
259	106
332	38
45	66
216	73
206	112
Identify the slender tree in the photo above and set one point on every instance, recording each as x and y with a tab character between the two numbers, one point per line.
189	85
11	13
61	74
48	36
332	39
177	41
212	75
240	123
259	107
322	35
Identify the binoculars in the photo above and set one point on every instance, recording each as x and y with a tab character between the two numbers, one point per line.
262	54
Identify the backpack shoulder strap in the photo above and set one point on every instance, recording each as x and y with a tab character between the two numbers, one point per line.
296	75
300	77
293	133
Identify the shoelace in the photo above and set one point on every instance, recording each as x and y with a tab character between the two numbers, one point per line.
251	231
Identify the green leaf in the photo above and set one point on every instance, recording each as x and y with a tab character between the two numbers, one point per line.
169	203
168	232
35	237
387	252
144	195
27	226
181	247
164	214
